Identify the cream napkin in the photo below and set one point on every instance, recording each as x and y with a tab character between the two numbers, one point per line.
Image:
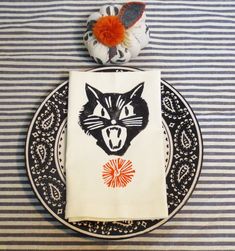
115	149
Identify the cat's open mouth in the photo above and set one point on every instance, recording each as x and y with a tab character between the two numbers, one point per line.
114	137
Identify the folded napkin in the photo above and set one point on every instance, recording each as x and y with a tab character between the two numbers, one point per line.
115	148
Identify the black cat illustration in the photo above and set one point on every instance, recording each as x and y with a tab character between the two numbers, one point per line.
114	119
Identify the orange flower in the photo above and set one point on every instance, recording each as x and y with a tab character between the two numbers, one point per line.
118	172
109	31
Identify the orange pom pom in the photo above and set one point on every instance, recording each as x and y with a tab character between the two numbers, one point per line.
109	31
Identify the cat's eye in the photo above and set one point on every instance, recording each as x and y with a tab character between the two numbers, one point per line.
100	111
127	111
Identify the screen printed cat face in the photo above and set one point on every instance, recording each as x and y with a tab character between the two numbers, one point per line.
114	119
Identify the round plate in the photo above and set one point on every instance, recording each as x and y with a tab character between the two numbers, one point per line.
45	148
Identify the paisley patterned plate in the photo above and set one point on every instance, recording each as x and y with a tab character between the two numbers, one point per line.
45	158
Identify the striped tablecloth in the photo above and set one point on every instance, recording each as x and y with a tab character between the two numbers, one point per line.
192	41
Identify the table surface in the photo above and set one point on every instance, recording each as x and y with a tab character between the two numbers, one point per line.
193	42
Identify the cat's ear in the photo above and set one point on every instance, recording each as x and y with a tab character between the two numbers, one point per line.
92	93
137	91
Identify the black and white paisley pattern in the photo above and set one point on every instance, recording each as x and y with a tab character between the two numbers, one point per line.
42	154
48	122
52	189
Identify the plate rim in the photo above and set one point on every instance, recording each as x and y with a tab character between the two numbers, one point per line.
100	236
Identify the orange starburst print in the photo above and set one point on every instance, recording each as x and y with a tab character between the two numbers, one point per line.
118	172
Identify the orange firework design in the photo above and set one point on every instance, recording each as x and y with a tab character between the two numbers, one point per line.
118	172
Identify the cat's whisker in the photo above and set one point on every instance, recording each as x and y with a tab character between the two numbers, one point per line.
88	119
93	125
92	122
96	127
134	125
133	122
140	124
130	118
92	116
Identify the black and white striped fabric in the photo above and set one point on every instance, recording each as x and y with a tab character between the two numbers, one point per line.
192	41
